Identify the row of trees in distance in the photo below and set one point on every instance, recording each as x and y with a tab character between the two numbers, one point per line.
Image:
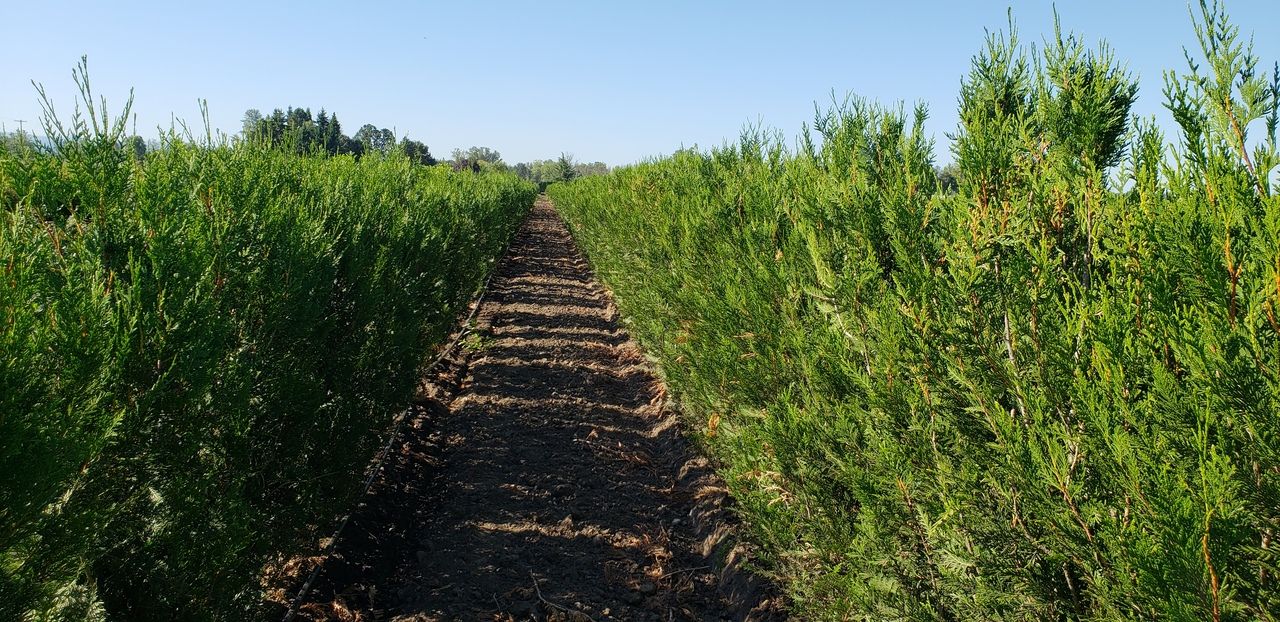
298	129
541	172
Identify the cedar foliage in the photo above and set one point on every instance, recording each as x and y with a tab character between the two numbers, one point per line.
202	350
1049	395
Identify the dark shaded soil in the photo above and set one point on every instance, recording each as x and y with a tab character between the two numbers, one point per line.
541	476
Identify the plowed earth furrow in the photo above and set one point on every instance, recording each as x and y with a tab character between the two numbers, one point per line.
551	484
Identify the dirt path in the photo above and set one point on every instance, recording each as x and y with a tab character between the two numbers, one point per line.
553	487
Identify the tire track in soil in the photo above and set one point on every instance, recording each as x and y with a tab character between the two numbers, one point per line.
541	478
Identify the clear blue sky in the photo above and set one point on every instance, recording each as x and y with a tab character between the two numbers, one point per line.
602	80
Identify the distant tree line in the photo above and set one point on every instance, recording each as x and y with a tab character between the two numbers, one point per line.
541	172
297	129
477	159
300	131
546	172
17	141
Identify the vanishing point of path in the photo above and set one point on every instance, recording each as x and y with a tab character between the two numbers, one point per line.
543	480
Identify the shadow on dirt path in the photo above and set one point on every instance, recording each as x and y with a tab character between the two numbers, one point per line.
554	486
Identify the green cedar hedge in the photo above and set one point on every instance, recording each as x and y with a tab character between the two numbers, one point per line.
1051	394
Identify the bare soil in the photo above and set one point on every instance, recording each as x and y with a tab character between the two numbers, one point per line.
542	477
